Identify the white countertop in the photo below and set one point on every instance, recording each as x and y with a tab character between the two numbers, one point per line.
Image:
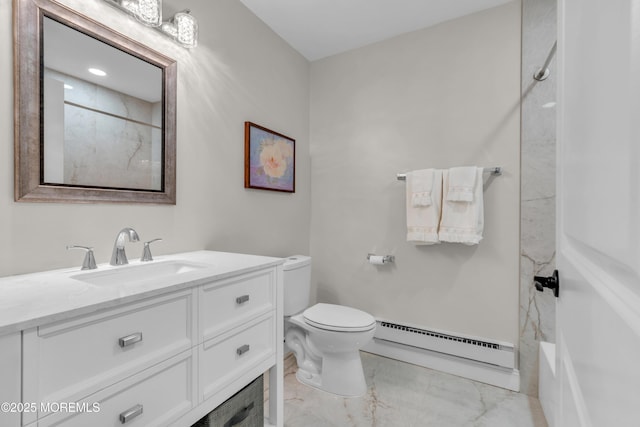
30	300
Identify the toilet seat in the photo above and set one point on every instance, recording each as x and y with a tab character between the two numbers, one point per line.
334	317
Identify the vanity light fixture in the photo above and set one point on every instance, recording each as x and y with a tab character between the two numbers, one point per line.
182	27
149	12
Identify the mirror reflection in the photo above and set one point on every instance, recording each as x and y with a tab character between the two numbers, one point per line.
102	114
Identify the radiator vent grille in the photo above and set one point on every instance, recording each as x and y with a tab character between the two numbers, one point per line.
439	335
495	353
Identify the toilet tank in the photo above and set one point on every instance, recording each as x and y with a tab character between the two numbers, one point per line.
296	284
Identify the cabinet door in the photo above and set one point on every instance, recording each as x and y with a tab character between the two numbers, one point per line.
69	360
10	368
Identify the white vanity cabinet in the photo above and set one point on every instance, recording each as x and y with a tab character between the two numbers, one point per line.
165	358
156	396
238	322
10	369
72	360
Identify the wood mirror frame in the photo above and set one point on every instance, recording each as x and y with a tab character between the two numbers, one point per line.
28	18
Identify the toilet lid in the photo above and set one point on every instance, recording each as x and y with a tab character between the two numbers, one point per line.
338	318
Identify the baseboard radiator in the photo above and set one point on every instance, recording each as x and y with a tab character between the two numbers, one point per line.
488	361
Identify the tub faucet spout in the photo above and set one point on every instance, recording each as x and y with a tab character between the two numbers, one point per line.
119	257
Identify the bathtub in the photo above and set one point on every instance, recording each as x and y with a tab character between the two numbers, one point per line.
546	380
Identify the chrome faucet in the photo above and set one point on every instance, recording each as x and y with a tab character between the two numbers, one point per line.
146	251
119	257
89	262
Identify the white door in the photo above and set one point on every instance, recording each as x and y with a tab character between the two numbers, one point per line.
598	323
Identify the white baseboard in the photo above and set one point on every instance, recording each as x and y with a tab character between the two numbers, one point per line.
466	368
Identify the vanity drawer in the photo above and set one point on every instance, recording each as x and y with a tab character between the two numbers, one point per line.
155	397
229	303
228	356
72	359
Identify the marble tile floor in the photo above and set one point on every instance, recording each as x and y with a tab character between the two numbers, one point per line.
405	395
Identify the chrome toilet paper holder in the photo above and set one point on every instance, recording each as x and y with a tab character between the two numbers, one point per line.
385	258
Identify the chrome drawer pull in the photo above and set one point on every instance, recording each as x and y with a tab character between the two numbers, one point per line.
130	414
130	339
242	350
242	299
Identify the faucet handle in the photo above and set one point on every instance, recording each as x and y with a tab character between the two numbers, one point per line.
146	251
89	262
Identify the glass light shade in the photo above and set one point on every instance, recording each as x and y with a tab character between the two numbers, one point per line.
186	29
130	5
170	29
149	12
182	27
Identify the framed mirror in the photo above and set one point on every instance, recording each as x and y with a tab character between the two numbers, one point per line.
95	111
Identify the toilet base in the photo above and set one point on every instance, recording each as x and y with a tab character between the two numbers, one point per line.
341	374
328	360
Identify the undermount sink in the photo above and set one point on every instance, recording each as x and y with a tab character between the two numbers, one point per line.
140	272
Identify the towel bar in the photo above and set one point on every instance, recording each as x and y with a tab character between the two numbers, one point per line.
496	170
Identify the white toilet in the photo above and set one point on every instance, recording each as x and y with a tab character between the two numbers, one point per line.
325	338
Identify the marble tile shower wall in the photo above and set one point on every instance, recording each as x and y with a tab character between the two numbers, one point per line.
537	204
124	145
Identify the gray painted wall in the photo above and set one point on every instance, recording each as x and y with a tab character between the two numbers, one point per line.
240	71
439	97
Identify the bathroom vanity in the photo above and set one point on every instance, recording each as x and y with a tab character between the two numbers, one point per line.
147	344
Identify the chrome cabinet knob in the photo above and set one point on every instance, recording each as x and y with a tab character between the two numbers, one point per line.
130	339
130	414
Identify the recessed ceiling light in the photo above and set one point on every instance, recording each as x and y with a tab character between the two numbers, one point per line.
549	105
67	86
97	72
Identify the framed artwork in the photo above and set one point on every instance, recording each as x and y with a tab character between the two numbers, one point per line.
269	159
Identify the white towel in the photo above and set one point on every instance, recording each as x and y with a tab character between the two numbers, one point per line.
421	185
462	222
462	182
423	220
